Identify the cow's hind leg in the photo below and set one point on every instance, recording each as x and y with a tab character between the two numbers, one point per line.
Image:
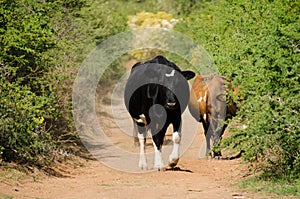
135	134
142	133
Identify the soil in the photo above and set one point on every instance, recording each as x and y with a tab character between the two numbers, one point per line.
203	178
196	178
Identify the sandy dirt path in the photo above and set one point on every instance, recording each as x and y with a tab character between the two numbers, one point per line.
197	178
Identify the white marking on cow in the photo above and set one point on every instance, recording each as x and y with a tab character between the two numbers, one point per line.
142	119
142	161
171	104
158	162
202	98
171	74
204	116
174	157
138	120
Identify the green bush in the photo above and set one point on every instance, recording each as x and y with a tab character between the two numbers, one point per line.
24	137
29	109
144	20
42	44
257	43
25	35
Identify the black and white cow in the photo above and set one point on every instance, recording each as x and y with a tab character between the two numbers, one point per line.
156	94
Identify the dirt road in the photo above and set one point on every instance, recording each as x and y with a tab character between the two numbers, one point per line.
196	178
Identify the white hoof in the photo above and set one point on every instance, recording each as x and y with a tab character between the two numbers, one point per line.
158	162
143	164
159	166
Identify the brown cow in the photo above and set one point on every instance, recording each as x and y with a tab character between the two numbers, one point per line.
208	105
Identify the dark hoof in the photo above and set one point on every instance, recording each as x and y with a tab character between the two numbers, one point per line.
216	155
173	163
161	169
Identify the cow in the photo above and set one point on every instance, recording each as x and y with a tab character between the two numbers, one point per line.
156	94
209	105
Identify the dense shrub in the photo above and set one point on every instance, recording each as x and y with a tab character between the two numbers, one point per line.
25	35
257	43
42	44
28	103
24	137
148	20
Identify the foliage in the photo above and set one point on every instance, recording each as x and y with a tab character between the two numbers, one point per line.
148	20
274	186
24	137
42	44
25	35
28	103
257	43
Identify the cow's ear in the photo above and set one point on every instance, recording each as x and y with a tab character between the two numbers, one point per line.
188	74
